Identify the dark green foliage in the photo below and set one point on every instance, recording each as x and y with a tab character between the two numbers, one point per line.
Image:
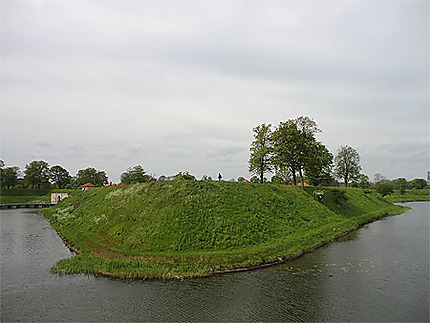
135	175
318	167
297	152
400	184
37	174
91	175
186	176
417	183
59	176
9	176
347	164
254	179
291	146
362	181
276	179
261	151
384	188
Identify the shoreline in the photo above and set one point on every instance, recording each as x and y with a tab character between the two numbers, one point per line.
286	259
228	270
150	231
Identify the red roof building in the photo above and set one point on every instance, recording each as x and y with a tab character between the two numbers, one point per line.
87	186
304	184
298	184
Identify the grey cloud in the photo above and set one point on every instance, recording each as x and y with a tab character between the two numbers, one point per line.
225	152
178	152
173	85
77	150
43	143
421	148
135	149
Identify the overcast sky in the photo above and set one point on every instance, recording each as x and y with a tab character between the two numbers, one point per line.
179	85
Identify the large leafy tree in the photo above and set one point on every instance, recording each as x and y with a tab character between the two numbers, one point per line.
261	150
361	181
384	187
319	166
135	174
417	183
37	174
91	175
306	145
59	176
347	164
400	184
2	165
284	157
9	176
294	146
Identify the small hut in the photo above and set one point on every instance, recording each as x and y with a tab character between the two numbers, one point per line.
87	186
57	197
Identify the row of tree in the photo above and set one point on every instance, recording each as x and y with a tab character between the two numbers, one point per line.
39	174
292	152
386	186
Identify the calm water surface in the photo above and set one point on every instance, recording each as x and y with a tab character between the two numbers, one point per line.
379	273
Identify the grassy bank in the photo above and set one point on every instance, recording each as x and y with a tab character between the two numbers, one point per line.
185	228
409	196
30	195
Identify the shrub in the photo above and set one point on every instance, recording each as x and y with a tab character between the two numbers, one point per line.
384	188
185	176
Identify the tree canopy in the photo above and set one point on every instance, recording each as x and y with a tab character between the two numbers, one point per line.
59	176
296	151
134	175
261	150
185	176
91	175
384	187
417	183
347	164
9	176
318	168
37	174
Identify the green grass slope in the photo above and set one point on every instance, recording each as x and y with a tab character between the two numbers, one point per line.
194	228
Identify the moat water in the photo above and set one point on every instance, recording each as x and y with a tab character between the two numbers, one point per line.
378	273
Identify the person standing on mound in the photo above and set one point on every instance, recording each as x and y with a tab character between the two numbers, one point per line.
219	176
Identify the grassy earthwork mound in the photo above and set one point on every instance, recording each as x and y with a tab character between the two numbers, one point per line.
179	229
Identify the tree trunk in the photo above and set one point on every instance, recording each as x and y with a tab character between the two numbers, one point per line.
294	177
302	183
